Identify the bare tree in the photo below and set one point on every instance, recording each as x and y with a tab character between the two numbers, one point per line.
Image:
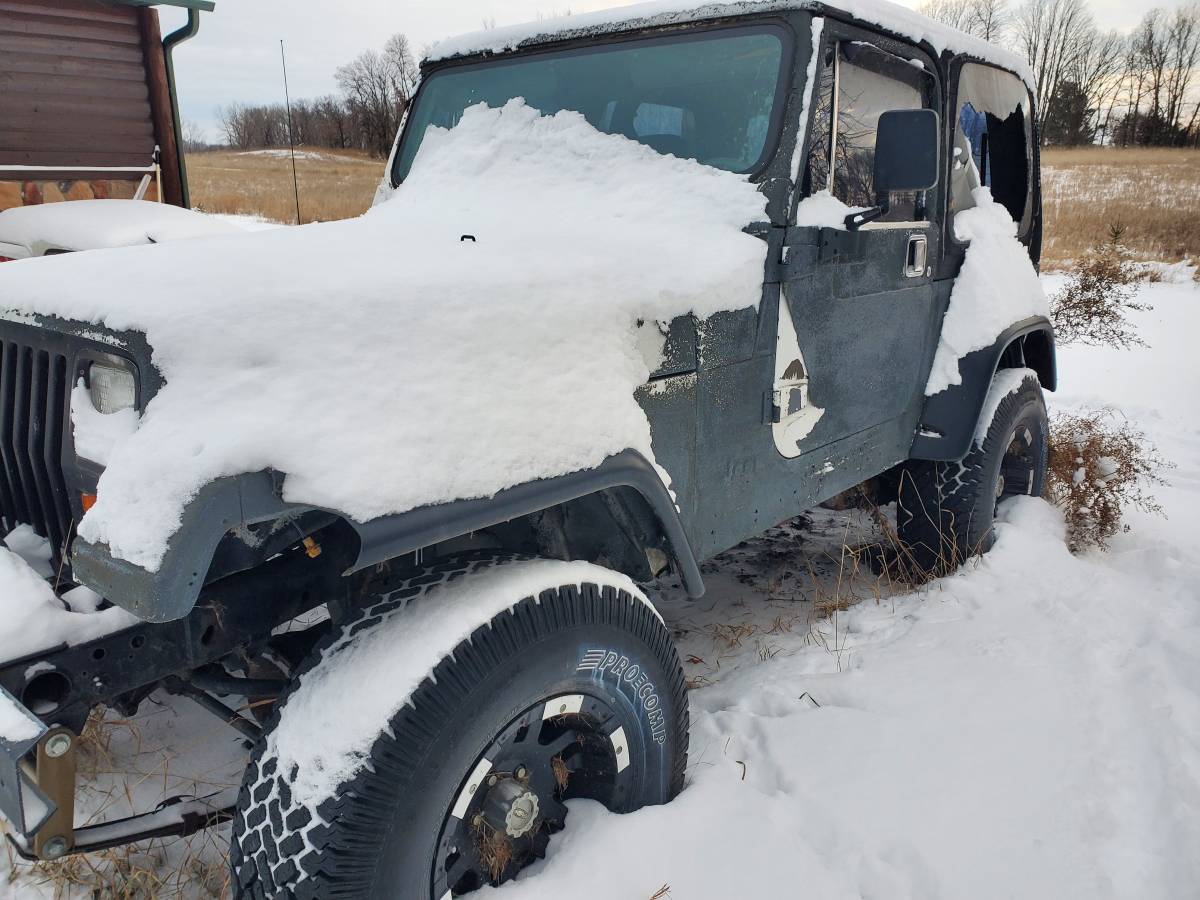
1054	36
1157	80
955	13
378	87
992	19
370	92
235	126
194	138
987	19
1183	56
404	69
1098	73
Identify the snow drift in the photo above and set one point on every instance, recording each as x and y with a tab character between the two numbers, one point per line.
386	363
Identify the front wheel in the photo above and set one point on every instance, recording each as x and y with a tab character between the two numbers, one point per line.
572	690
946	510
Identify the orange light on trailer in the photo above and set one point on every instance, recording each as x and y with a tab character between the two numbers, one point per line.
87	501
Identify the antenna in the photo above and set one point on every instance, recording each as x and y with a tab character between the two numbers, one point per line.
291	133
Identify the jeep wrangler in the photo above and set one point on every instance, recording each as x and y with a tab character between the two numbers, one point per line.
545	674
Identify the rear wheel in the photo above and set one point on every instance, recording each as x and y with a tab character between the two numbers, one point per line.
574	693
946	510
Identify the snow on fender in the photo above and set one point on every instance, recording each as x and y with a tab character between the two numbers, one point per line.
328	723
996	287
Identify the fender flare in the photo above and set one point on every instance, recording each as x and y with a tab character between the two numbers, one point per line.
229	503
949	417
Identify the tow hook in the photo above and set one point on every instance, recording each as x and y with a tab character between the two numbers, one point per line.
54	773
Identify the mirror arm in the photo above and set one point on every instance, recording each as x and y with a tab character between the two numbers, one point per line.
857	220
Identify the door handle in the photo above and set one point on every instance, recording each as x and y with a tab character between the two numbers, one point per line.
917	257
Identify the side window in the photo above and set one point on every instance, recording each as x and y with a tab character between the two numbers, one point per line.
857	84
992	141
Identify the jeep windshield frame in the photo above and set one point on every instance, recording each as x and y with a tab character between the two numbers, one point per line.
445	90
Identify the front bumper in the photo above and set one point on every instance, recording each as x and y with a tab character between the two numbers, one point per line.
37	796
23	802
46	698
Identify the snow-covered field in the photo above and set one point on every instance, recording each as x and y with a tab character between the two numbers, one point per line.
1029	727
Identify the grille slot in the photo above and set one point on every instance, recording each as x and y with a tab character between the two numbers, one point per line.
33	407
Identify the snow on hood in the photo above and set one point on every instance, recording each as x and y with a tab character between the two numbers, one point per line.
887	15
99	224
385	363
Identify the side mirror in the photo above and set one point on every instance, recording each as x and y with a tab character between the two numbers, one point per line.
907	158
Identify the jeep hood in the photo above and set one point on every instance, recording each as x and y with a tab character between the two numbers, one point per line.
485	327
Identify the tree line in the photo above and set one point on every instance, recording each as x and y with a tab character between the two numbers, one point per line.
1093	86
376	88
1096	86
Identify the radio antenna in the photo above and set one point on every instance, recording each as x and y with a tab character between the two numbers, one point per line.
291	133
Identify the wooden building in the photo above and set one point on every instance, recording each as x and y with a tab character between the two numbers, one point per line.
87	101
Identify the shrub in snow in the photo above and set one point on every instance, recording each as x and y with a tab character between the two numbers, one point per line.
1100	465
1091	308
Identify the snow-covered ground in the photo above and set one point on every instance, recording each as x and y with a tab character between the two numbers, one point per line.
1029	727
299	154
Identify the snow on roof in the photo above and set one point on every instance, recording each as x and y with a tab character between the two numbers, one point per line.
887	15
386	362
99	224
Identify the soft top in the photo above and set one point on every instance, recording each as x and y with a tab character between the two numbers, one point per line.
882	13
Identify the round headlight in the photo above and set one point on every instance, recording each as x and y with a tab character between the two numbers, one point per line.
112	387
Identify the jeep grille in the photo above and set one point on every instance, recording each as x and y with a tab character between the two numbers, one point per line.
33	407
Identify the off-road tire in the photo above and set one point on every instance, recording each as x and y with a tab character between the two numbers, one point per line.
945	511
376	836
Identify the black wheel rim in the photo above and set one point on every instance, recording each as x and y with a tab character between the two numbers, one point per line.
1018	466
513	800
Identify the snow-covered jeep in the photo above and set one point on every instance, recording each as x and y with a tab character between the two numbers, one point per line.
380	494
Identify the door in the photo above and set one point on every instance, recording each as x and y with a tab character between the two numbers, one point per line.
858	316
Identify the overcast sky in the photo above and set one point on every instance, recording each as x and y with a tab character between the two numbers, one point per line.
235	58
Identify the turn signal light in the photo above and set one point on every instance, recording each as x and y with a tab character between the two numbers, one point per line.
7	259
87	501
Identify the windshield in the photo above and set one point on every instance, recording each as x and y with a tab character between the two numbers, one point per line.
712	96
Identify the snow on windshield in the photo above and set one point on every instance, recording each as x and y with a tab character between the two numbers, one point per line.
386	363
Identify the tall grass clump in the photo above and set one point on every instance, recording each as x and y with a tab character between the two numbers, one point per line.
1100	466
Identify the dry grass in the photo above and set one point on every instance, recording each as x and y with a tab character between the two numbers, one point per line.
1100	466
333	184
1153	193
192	868
494	849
